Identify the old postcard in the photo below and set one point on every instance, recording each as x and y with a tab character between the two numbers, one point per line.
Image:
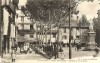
49	31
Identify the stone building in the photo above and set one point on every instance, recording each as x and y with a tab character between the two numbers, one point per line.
9	8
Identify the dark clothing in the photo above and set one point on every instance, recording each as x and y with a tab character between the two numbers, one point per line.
78	47
55	51
97	50
49	51
60	50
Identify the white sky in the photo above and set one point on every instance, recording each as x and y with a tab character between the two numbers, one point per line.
22	2
88	8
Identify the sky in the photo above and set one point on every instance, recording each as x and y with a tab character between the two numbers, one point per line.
22	2
87	8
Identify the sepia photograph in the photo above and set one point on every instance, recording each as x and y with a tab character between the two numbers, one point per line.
49	31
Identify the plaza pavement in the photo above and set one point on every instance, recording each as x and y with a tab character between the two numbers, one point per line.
77	57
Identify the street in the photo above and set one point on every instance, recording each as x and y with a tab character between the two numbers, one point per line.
31	56
38	57
75	54
79	53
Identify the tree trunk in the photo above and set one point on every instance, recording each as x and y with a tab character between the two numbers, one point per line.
36	32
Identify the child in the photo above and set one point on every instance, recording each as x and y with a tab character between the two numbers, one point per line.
13	56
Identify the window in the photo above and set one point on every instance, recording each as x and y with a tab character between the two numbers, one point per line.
22	26
31	36
22	18
64	37
31	27
77	36
54	35
22	34
77	28
64	30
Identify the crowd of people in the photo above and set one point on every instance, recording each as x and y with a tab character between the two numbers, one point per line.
50	49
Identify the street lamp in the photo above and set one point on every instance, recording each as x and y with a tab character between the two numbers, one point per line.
70	52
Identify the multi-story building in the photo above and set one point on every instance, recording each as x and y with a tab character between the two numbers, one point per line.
9	12
62	35
50	35
26	32
33	31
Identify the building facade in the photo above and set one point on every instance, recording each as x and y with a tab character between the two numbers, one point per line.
9	8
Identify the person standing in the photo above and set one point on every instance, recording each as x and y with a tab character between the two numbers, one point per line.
55	50
52	49
13	55
61	53
25	48
49	50
78	46
77	43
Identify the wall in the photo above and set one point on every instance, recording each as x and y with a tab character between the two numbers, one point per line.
6	21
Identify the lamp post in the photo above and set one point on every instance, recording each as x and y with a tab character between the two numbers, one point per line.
70	52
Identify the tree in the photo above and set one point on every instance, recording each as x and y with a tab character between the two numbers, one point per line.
51	11
58	9
83	21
